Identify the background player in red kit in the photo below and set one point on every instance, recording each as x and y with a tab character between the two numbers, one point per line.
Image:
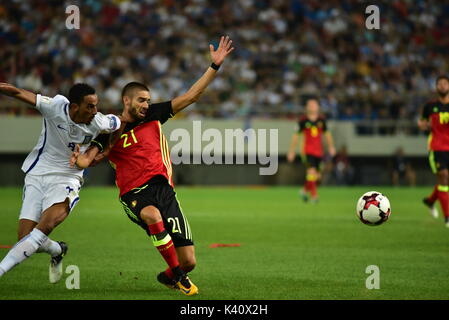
435	116
141	158
311	128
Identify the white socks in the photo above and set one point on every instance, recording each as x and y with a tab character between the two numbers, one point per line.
23	249
51	247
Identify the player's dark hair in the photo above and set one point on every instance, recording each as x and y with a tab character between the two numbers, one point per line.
312	98
130	87
79	91
442	77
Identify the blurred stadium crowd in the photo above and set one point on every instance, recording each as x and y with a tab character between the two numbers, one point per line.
285	51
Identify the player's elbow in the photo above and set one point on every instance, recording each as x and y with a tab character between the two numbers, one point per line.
194	97
184	101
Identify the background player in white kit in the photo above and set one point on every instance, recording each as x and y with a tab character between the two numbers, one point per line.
51	186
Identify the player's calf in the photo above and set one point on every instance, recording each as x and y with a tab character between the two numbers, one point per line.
164	244
22	250
188	265
25	228
186	257
160	238
167	277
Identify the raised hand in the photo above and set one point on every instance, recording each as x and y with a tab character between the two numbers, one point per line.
8	89
224	48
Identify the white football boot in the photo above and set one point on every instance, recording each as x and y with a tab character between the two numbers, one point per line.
55	269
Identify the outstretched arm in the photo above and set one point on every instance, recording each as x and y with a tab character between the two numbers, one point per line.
20	94
194	93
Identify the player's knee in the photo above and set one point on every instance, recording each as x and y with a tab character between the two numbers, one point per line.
311	175
443	177
150	215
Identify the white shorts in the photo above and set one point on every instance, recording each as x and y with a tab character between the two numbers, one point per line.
41	192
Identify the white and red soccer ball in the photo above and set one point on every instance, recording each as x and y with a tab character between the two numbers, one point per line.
373	208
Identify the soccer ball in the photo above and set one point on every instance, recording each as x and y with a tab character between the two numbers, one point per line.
373	208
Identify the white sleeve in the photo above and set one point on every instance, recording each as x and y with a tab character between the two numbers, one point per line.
107	123
50	107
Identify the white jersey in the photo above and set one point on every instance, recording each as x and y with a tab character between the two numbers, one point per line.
59	136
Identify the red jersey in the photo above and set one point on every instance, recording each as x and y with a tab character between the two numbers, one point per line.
437	114
142	151
312	135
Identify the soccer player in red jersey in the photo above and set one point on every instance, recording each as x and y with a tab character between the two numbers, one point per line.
435	117
311	127
141	158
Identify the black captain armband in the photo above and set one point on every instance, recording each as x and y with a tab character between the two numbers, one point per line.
101	141
95	143
214	66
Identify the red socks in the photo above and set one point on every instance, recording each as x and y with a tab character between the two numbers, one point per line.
434	196
307	186
164	244
169	273
313	190
443	197
311	185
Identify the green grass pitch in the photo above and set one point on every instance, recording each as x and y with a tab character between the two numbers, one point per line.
289	249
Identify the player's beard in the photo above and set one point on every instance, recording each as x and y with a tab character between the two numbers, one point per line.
442	94
86	119
136	114
89	121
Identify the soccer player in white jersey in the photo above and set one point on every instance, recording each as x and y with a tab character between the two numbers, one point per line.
51	186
